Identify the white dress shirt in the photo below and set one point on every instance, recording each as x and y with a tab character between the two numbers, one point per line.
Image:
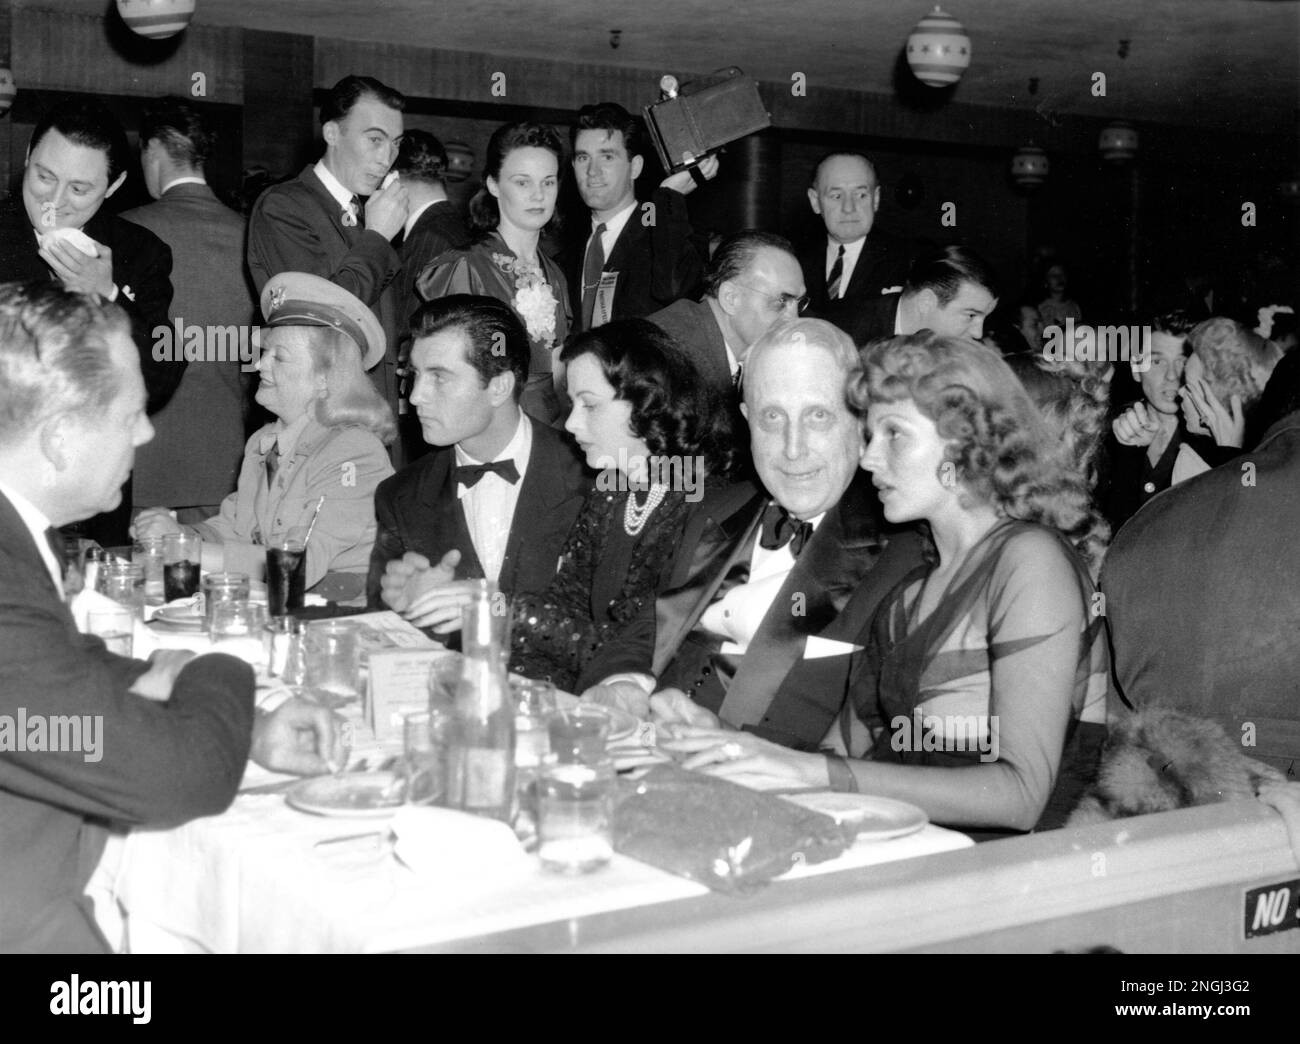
736	615
489	504
188	179
852	251
36	522
334	187
613	229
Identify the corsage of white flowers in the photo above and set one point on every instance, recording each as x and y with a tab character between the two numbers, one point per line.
534	299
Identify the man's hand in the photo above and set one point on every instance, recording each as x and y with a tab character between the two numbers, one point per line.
154	522
1228	426
386	210
439	607
684	183
410	576
621	695
156	683
300	737
674	707
1136	426
79	272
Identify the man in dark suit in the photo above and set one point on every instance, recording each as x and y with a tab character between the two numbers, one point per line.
1202	603
76	159
498	496
950	290
317	222
855	262
87	737
760	619
194	460
633	259
752	282
433	226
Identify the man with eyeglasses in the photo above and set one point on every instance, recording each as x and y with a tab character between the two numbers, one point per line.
752	282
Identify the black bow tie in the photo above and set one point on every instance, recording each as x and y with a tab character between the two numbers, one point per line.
469	474
780	528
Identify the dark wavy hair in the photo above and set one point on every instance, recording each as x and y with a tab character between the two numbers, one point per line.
997	438
180	129
497	339
611	117
87	123
340	98
674	410
484	213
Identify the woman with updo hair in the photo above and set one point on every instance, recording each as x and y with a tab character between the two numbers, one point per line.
981	689
517	202
652	427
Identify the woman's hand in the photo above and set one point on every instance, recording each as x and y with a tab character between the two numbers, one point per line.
155	522
744	758
674	707
1227	425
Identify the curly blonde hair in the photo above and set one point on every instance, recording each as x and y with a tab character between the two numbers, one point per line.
1074	399
999	442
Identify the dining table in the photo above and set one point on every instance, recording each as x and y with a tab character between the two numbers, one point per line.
267	877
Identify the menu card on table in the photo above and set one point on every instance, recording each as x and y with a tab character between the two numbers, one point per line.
399	658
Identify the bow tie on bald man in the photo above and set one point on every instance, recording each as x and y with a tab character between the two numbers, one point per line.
469	474
781	528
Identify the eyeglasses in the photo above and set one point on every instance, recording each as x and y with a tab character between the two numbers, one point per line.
778	302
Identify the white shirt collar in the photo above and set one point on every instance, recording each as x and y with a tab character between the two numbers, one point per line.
37	523
614	225
332	185
898	317
517	449
189	179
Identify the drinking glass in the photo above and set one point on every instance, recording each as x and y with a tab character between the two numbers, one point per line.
578	734
116	626
424	757
575	814
286	575
286	657
150	552
237	630
220	588
333	659
534	705
181	557
124	584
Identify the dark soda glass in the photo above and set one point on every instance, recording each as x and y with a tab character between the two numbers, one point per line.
180	580
286	571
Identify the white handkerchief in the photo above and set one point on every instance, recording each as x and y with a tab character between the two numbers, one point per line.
456	846
819	648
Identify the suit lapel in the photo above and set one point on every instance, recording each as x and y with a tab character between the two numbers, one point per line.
437	502
331	207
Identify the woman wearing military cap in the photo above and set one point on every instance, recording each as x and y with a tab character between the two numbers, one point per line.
326	444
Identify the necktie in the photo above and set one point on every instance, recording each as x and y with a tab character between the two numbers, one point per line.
780	528
272	463
359	209
468	475
837	272
55	539
592	265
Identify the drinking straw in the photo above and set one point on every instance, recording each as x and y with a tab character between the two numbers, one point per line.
314	515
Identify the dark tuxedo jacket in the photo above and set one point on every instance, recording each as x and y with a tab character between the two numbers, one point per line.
656	260
870	320
418	510
199	436
883	263
297	226
1202	600
692	324
142	265
439	229
159	764
838	580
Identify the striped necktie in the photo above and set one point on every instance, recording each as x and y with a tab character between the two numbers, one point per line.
837	273
592	266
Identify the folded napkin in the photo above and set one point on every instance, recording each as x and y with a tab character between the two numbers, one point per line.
457	847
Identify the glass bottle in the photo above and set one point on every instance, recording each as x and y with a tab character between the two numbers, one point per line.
481	769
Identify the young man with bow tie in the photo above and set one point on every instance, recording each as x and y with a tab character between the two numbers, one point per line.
497	496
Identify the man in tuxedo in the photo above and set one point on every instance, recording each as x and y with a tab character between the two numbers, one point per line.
855	262
772	585
76	160
88	737
634	258
950	290
318	223
193	461
498	495
752	282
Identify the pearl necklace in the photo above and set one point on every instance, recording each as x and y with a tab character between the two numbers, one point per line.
635	518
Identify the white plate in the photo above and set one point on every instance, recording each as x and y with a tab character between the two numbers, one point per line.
355	795
876	818
180	616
